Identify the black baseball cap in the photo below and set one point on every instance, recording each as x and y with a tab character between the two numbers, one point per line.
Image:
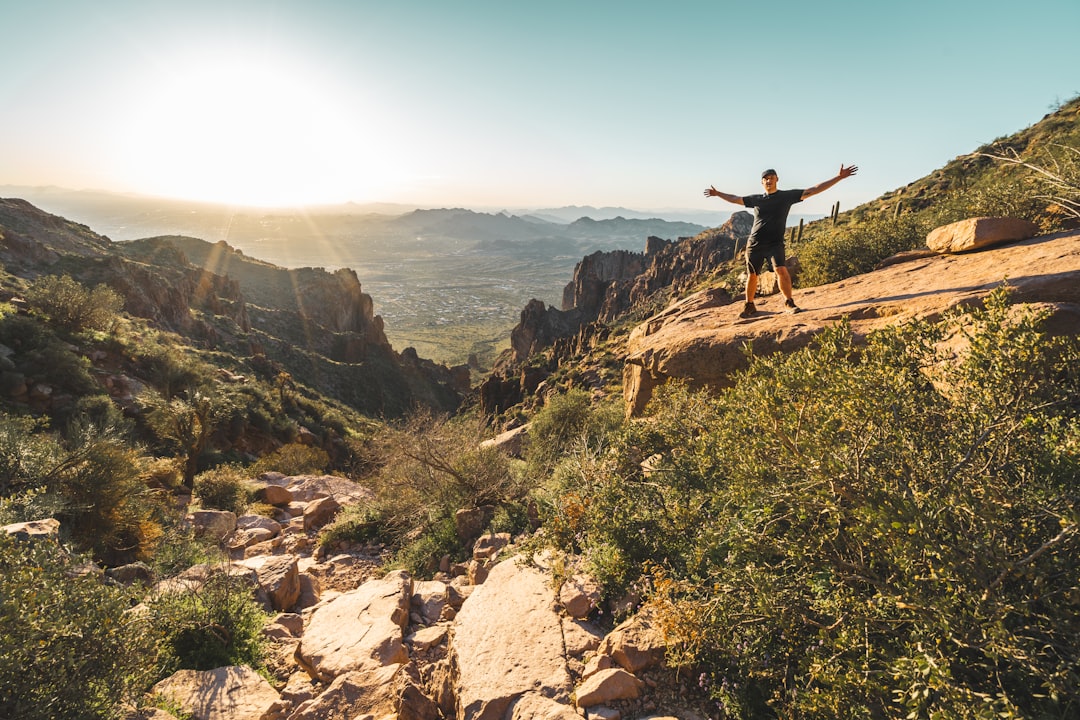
770	171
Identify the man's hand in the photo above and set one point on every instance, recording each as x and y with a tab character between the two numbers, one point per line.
846	172
713	192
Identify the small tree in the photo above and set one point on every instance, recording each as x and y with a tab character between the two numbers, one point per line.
70	305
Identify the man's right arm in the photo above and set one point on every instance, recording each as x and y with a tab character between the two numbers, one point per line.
713	192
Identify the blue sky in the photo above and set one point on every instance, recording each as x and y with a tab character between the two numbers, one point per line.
502	104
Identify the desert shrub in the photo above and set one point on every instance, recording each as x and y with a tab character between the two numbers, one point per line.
224	488
421	555
91	481
183	426
831	253
169	368
215	624
862	530
996	197
567	420
293	459
70	305
42	355
70	648
429	468
355	523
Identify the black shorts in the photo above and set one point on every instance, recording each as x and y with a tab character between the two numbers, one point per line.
756	255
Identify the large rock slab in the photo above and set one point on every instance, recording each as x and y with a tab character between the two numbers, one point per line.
360	630
508	644
980	232
227	693
700	340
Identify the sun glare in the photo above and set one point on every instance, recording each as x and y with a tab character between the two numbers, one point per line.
253	131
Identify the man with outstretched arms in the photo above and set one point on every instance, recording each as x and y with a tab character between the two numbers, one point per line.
767	236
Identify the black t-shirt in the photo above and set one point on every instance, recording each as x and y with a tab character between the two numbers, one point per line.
770	215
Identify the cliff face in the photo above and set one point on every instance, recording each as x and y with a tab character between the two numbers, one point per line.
606	286
319	326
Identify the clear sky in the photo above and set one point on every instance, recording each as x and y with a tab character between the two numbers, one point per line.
485	103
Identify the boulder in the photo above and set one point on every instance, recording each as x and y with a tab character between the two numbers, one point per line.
274	495
508	644
217	524
305	488
510	442
488	546
225	693
608	685
320	512
579	595
980	232
360	630
470	522
258	522
355	694
635	644
279	577
47	528
429	599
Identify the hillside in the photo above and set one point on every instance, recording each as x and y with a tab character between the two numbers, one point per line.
867	509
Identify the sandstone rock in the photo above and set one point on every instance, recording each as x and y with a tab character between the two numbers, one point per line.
429	598
579	595
358	630
258	522
580	637
427	638
298	689
508	643
597	663
354	694
305	488
470	522
635	644
608	685
488	546
214	523
274	495
980	232
510	442
279	577
701	341
534	706
226	693
320	512
47	528
603	712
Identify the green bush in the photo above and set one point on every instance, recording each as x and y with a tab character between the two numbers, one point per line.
834	252
69	305
215	624
861	530
293	459
224	488
566	421
69	647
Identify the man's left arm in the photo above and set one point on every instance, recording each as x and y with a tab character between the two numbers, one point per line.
845	172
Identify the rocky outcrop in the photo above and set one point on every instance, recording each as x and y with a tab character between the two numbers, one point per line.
508	644
980	232
606	286
226	693
701	339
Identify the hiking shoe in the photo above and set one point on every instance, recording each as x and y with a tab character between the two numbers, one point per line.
748	310
790	306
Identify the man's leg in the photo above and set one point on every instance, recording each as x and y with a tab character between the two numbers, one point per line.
784	280
751	286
